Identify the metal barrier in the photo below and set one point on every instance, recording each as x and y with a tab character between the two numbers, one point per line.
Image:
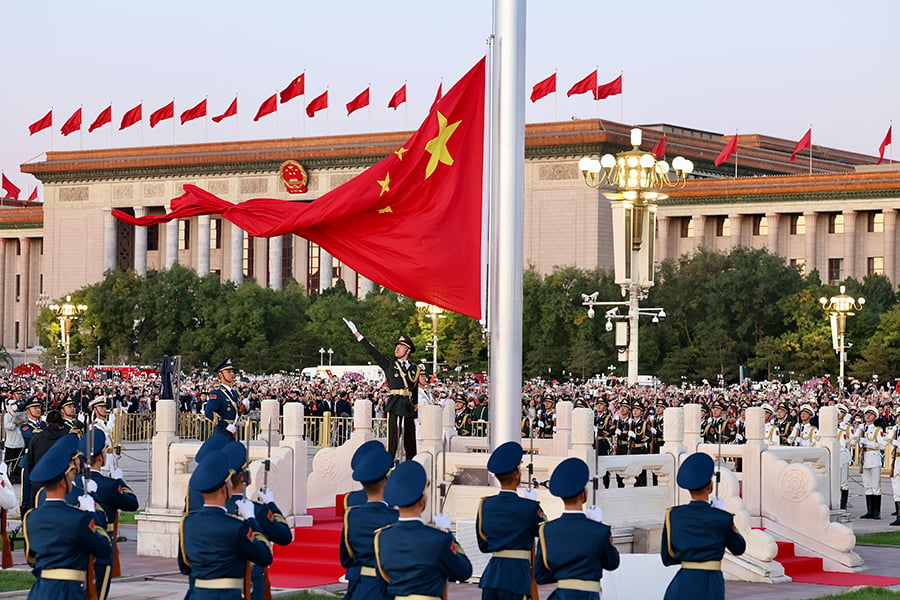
135	427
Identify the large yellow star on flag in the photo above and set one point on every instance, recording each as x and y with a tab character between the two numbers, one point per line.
385	184
437	147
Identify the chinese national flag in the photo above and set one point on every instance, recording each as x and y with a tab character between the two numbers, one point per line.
805	142
161	114
317	104
361	101
411	222
73	124
268	106
42	123
9	188
295	88
612	88
588	84
34	195
659	150
543	88
884	144
727	151
102	119
437	96
197	112
132	116
229	112
398	98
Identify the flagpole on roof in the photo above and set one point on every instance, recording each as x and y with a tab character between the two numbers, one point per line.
891	155
622	102
735	153
173	121
810	148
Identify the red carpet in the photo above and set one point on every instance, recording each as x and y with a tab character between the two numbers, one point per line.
312	559
807	569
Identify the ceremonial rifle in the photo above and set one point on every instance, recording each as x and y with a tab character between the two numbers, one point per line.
531	415
267	584
7	560
117	453
91	588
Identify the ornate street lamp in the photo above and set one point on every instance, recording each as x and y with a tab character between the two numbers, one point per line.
839	308
639	176
67	312
436	313
321	356
330	354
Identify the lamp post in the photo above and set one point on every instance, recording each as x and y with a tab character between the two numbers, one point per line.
639	176
321	356
67	312
839	308
330	354
436	313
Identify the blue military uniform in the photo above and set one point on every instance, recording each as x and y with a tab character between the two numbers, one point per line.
59	537
194	500
28	429
507	525
573	550
357	549
413	558
696	535
223	405
215	546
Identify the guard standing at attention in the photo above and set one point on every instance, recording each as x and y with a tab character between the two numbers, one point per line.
357	549
575	549
403	381
224	404
415	559
59	537
506	526
696	536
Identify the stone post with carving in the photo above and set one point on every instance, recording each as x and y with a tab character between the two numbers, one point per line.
562	438
166	422
828	438
293	439
751	468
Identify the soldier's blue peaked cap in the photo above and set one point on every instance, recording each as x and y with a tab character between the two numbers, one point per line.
569	478
696	471
506	458
98	442
406	484
363	450
236	453
212	443
211	473
226	363
55	462
373	466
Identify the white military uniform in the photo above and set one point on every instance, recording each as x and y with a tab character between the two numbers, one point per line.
871	442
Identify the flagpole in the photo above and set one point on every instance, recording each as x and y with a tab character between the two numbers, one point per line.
735	153
891	154
277	121
622	102
556	96
327	119
174	135
237	121
206	120
810	148
370	105
81	129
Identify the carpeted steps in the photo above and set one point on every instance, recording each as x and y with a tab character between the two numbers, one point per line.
808	569
313	558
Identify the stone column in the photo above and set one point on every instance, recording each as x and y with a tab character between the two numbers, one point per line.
583	437
828	438
562	438
326	270
700	232
109	240
849	244
203	233
662	245
293	439
737	221
171	243
810	242
673	432
692	436
772	224
890	245
430	417
276	257
22	306
752	469
166	422
269	422
140	244
367	286
237	255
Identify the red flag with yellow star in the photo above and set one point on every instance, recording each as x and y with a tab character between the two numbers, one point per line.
411	222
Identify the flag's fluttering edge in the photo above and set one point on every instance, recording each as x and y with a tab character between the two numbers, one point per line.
884	144
411	222
804	143
729	149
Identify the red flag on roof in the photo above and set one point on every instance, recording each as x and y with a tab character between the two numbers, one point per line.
161	114
9	188
42	123
197	112
131	117
612	88
729	149
102	119
398	98
73	124
34	195
588	84
361	101
805	142
318	103
659	150
229	112
543	88
411	222
268	106
884	144
438	95
295	88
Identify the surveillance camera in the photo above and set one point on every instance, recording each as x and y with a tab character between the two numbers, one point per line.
609	326
591	313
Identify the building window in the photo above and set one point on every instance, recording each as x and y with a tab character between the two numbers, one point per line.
760	225
336	270
17	334
18	286
800	263
835	223
312	269
723	227
798	225
248	255
287	257
18	247
875	222
153	237
686	227
215	234
875	265
835	270
184	235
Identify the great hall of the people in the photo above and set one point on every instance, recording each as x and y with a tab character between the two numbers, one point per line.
836	213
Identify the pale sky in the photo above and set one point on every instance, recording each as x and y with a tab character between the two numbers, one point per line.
768	67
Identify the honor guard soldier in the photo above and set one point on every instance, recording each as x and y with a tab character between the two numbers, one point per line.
696	536
360	497
718	429
574	549
357	549
403	380
620	434
656	426
100	417
846	438
59	538
33	424
415	559
69	411
194	500
547	418
771	430
224	404
783	424
462	419
604	426
871	442
804	433
506	526
214	546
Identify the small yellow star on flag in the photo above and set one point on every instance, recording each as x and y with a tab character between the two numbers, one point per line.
399	152
385	184
437	147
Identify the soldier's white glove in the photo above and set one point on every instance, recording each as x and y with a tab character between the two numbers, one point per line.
618	432
717	502
246	403
86	503
529	493
3	468
90	486
442	521
266	496
653	430
116	473
540	424
232	428
352	327
554	429
632	434
245	509
739	438
594	513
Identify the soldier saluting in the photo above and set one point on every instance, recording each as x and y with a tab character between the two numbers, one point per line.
403	381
